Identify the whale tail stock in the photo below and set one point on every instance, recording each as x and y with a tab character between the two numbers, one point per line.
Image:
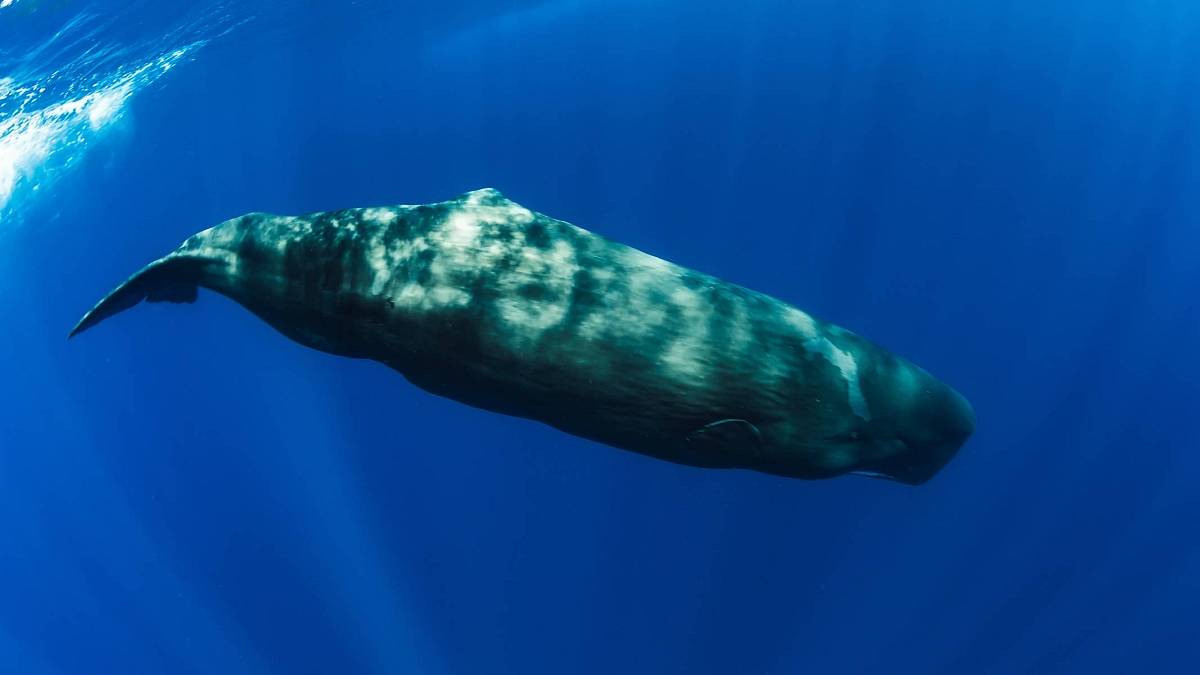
173	278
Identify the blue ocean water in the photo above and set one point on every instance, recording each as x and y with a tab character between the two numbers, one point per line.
1006	193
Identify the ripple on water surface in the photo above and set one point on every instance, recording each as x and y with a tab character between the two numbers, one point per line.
60	95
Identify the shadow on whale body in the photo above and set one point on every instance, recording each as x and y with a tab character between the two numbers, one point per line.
483	301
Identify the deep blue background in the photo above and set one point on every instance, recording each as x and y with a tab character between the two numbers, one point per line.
1007	193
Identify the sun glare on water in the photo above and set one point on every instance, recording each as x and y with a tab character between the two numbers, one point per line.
53	107
39	138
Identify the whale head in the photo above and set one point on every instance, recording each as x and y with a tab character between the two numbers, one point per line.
918	425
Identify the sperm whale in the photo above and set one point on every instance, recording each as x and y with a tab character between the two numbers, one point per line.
486	302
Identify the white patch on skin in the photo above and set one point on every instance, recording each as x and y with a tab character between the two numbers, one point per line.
628	313
403	250
845	363
381	269
448	296
531	317
739	329
385	258
686	298
800	321
596	325
419	297
905	385
218	243
503	211
554	271
503	214
682	359
515	213
465	248
685	357
562	258
380	215
461	230
412	295
494	251
475	197
652	265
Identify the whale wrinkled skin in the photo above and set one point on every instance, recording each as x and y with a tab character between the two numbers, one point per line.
486	302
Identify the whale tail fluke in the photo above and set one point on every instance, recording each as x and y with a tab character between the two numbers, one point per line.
170	279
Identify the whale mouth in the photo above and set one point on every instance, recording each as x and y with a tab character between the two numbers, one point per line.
884	465
908	464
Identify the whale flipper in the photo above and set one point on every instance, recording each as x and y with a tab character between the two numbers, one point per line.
170	279
728	436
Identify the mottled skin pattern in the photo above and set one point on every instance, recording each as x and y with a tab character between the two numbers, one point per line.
483	301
